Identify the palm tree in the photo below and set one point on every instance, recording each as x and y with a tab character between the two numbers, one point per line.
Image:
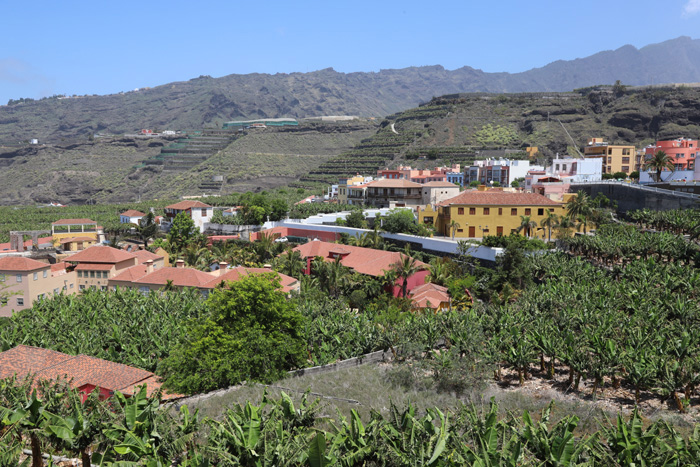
439	272
563	227
658	163
292	264
404	268
550	219
454	225
527	224
579	205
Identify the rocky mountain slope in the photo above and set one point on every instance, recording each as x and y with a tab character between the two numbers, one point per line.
207	102
462	127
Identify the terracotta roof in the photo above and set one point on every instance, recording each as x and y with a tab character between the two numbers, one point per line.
77	239
181	277
475	197
440	184
185	205
90	370
429	295
100	254
73	222
363	260
94	267
24	359
81	369
59	266
393	183
235	274
15	263
131	274
145	255
132	213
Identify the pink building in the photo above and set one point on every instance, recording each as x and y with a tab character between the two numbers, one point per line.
683	151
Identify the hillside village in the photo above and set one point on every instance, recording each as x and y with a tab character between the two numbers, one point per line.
507	274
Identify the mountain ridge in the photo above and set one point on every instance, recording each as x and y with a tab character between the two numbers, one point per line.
207	102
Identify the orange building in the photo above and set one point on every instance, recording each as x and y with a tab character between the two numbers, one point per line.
682	151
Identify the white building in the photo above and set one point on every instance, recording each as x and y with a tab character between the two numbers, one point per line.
199	212
503	171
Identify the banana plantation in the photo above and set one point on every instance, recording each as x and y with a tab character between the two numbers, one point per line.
139	431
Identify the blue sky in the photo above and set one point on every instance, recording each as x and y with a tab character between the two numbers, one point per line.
80	47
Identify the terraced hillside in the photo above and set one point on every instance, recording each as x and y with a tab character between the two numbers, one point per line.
201	162
461	127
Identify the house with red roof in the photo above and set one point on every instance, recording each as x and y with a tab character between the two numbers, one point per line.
85	373
361	260
95	265
430	296
146	279
131	216
199	212
27	280
393	193
483	212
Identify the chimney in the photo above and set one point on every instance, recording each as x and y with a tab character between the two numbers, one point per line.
223	265
180	263
149	266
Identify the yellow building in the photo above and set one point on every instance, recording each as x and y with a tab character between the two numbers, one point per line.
480	213
616	158
75	234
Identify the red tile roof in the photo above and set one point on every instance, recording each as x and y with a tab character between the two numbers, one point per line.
73	222
235	274
24	359
185	205
81	369
101	254
145	255
393	183
132	213
363	260
475	197
16	263
181	277
131	274
59	266
429	295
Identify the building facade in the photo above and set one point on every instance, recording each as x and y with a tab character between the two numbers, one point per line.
614	158
682	151
480	213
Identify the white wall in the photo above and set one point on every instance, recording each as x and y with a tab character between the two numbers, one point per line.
666	176
199	219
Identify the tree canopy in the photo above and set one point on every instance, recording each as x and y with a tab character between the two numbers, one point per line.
252	333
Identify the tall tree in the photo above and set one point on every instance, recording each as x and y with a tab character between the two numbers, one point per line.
548	221
147	228
526	225
659	162
404	268
182	231
454	225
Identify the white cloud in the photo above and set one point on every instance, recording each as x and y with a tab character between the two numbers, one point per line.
691	8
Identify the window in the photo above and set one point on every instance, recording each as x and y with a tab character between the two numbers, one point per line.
540	212
3	301
81	287
144	290
556	167
609	169
460	211
40	296
56	290
80	273
487	211
626	168
20	302
71	286
609	160
104	287
92	274
204	212
46	273
609	151
625	151
500	211
514	211
105	274
625	160
460	230
563	167
472	211
19	277
36	276
528	211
